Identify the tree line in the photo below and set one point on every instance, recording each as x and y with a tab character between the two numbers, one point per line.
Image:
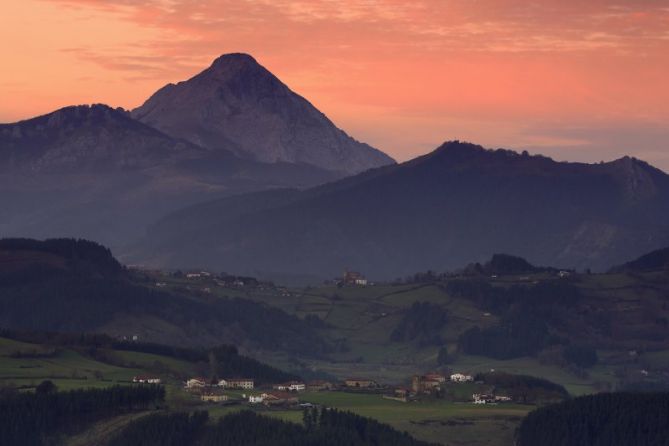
33	419
321	427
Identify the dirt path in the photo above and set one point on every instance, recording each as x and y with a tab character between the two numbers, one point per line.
100	433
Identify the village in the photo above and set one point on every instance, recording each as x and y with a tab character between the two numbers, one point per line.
244	391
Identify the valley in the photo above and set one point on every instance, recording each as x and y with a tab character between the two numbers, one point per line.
505	323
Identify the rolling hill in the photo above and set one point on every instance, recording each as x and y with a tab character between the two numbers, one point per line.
439	211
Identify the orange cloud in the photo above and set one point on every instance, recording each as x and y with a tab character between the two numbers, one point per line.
401	75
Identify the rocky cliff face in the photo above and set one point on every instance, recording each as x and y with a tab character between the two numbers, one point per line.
238	105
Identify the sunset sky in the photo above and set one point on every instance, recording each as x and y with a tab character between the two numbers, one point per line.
573	79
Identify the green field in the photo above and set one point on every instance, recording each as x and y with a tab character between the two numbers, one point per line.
433	420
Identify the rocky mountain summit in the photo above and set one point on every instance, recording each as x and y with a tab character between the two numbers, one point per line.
238	105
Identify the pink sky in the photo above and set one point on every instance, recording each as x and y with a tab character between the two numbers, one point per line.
572	79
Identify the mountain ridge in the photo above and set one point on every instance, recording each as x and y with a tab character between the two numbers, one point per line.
439	211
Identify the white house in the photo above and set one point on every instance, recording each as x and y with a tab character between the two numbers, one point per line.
196	382
461	378
256	399
483	398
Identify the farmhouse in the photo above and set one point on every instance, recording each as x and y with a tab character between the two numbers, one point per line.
423	384
146	379
213	397
292	386
279	398
461	378
196	382
359	383
354	278
236	383
435	377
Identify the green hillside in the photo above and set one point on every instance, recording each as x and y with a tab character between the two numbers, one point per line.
622	316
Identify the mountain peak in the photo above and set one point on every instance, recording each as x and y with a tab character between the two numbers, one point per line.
456	147
239	105
235	66
234	59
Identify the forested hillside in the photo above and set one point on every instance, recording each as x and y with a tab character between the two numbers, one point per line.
65	285
616	419
327	427
31	419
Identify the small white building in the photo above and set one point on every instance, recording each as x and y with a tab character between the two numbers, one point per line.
256	399
483	398
461	378
196	382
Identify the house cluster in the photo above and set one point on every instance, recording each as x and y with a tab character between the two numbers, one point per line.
146	379
482	398
212	392
229	383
